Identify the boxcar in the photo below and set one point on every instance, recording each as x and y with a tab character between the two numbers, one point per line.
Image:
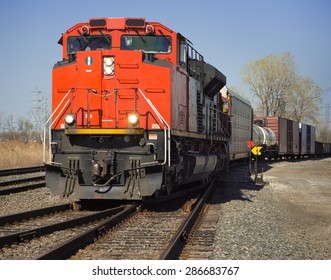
241	125
307	139
286	131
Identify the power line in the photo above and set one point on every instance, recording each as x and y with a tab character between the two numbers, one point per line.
326	90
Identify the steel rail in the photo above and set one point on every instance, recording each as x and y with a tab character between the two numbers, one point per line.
43	230
21	180
178	242
17	217
71	246
21	170
22	188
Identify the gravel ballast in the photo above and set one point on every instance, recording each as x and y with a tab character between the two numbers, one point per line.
288	218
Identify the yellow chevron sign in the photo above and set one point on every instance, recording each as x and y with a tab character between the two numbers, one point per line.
256	150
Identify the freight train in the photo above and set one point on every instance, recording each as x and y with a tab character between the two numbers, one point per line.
137	112
285	138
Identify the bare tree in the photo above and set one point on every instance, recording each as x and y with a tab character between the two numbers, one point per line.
10	127
324	134
303	101
24	129
1	120
270	79
281	91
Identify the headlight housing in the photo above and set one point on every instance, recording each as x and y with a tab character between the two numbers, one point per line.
133	119
70	120
108	65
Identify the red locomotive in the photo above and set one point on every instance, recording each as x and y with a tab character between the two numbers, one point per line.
135	112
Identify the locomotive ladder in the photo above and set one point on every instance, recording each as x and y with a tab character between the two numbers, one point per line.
200	113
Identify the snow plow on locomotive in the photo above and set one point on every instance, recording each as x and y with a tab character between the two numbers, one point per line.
135	112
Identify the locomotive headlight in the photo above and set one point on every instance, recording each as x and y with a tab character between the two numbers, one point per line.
70	119
108	65
133	119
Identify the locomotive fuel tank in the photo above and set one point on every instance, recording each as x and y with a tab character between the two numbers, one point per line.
263	136
198	166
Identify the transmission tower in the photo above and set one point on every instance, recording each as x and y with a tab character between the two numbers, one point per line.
327	115
36	101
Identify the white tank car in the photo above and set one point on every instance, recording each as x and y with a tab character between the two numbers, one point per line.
263	136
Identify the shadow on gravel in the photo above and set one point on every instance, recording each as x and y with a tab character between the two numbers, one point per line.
231	186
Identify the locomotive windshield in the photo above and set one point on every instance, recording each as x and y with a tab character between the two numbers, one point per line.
148	44
88	43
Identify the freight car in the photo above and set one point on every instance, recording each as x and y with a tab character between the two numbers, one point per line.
266	138
136	112
282	137
241	114
307	139
322	149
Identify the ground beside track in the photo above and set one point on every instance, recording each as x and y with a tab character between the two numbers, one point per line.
289	218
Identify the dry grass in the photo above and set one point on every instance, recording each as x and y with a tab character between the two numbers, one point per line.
19	154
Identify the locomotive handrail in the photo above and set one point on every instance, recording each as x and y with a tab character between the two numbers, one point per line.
50	126
166	127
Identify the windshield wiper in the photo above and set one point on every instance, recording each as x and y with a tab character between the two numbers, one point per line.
141	37
164	36
106	37
82	35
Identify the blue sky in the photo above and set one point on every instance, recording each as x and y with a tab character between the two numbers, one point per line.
229	34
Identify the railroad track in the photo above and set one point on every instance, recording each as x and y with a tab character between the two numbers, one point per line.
9	183
179	241
200	242
22	170
17	229
15	189
69	247
157	229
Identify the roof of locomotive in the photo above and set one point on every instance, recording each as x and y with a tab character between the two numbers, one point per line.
119	23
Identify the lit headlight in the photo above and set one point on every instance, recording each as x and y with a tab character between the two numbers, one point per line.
70	119
133	119
108	65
